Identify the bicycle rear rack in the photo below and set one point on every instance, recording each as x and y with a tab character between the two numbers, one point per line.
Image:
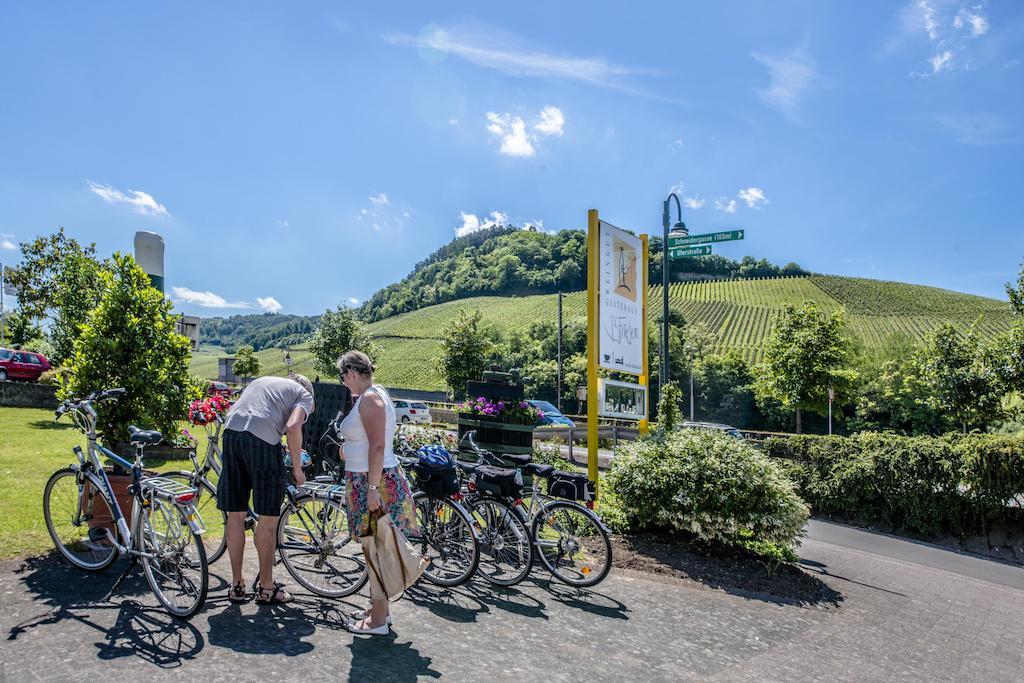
168	489
324	491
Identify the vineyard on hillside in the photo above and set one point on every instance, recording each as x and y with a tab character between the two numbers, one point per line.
740	313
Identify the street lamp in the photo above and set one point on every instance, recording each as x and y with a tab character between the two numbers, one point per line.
680	227
287	362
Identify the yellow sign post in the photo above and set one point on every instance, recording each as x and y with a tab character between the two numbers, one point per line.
594	325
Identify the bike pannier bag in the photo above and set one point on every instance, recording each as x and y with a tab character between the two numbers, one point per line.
435	472
570	485
498	481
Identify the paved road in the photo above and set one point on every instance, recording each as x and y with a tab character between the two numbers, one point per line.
891	614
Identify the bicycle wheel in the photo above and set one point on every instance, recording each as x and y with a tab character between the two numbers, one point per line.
215	537
174	559
506	553
77	522
314	544
445	537
573	545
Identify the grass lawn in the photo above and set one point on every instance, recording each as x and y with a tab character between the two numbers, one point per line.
32	447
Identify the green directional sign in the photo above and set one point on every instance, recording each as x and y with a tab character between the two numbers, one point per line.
689	251
707	238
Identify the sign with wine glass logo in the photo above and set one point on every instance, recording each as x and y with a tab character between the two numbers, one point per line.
620	301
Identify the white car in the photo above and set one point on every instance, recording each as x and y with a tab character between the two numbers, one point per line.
415	412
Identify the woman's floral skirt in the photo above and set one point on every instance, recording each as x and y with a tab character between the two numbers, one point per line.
395	498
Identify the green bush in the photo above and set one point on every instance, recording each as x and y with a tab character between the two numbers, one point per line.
707	484
550	453
958	484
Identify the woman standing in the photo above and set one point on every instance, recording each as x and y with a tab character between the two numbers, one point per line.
373	478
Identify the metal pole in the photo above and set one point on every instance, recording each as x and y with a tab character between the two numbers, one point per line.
691	390
663	369
558	394
3	319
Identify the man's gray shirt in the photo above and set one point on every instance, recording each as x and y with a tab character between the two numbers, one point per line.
265	405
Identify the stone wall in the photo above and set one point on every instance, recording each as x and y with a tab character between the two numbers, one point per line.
28	395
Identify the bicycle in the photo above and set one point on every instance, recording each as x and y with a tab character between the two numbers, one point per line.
570	540
164	531
312	529
447	533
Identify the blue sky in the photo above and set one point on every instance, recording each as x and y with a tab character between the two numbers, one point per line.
295	156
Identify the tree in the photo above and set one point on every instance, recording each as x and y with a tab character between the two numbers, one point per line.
959	376
59	278
247	363
130	340
338	331
464	350
1015	292
669	416
804	355
723	388
20	332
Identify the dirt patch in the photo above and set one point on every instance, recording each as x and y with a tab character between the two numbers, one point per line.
732	571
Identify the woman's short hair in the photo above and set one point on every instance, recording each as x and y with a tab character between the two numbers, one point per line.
356	360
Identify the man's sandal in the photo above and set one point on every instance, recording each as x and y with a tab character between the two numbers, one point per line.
237	594
271	596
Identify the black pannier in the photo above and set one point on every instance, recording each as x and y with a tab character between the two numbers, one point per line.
498	481
571	485
435	472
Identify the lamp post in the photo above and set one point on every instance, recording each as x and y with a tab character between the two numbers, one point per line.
287	362
681	227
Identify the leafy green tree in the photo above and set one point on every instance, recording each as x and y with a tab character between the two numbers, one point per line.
806	353
464	351
130	340
247	364
20	331
1015	292
893	397
959	376
338	331
58	278
723	385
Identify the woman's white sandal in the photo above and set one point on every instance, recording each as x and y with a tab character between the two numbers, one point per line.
382	630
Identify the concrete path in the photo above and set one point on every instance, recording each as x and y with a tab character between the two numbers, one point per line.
892	610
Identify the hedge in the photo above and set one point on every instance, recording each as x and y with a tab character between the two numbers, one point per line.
931	486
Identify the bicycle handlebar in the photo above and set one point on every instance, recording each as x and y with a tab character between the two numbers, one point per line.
95	397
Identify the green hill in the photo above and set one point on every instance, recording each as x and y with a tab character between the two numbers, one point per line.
741	313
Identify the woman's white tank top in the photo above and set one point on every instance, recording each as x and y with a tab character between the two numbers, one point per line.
357	445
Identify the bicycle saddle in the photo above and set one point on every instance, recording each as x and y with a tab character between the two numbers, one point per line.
143	436
539	469
468	467
516	459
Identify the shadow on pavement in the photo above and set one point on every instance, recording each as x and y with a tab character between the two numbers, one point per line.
381	658
819	568
145	632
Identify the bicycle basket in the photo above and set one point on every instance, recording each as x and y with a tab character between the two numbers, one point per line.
570	485
498	481
435	472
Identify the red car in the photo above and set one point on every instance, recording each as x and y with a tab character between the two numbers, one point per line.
22	365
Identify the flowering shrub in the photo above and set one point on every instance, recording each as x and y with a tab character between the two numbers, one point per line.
513	411
184	439
707	484
207	410
423	436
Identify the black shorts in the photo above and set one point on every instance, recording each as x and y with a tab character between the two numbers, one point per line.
251	465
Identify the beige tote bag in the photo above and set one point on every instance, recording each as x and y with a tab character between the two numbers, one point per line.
390	558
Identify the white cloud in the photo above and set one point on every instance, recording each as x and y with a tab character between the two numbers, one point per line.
512	131
941	62
7	244
676	145
471	223
977	23
205	299
283	224
726	206
353	301
693	202
453	122
753	196
791	75
140	202
380	199
931	26
376	226
504	52
268	304
551	121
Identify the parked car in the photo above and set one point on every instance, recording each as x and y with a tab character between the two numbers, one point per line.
552	416
25	366
411	411
218	389
714	427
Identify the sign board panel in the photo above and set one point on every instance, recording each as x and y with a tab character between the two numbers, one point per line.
706	238
8	287
621	301
621	399
686	252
